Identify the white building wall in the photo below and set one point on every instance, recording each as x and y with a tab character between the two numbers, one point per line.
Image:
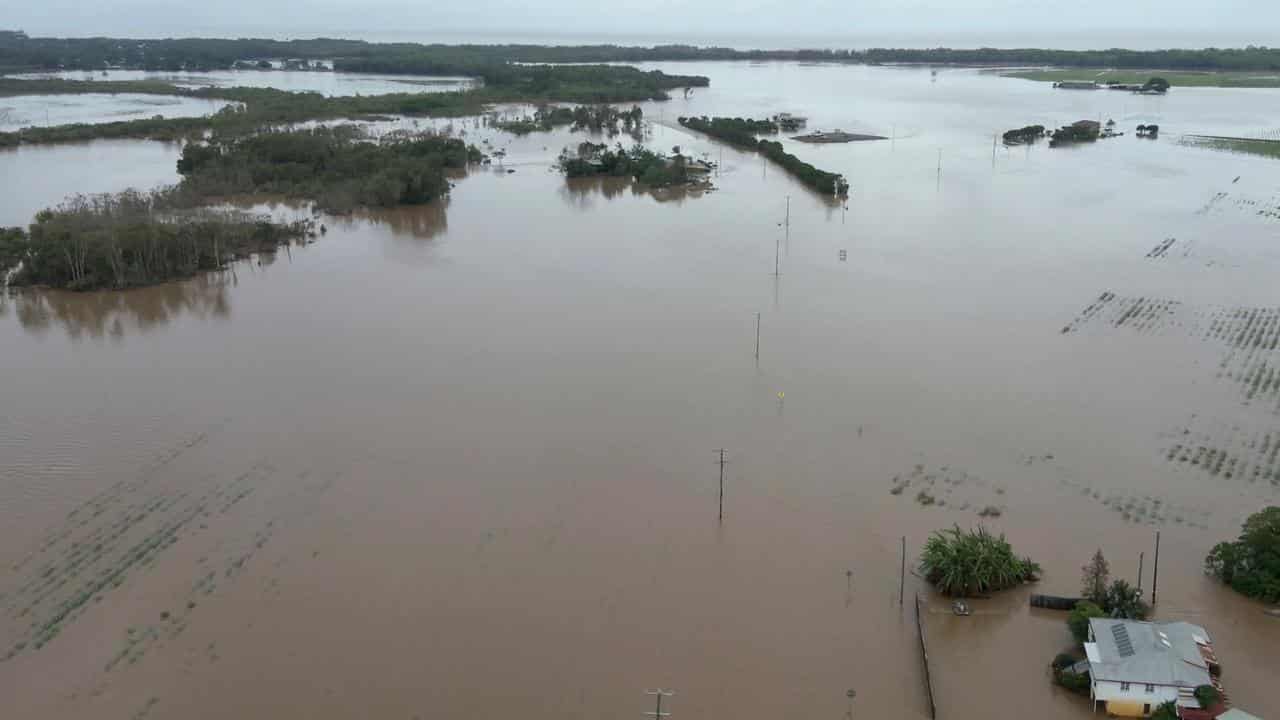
1107	690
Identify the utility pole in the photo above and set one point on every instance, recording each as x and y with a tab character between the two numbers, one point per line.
788	218
1140	558
658	714
777	254
722	463
993	150
1155	570
757	337
902	580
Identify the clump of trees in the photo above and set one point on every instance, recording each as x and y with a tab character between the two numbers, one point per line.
1024	135
1077	132
338	167
597	118
974	562
638	162
1251	564
1156	85
1114	598
742	133
131	239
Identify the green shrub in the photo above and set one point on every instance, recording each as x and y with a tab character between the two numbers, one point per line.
1208	696
1075	682
1165	711
1078	620
973	562
1061	661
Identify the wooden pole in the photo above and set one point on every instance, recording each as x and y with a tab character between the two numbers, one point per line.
902	579
720	516
1155	570
1140	558
757	337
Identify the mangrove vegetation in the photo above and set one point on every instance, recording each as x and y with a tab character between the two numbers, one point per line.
131	239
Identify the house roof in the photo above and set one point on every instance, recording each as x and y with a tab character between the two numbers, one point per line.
1153	653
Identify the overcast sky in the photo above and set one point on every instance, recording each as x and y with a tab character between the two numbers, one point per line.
1075	23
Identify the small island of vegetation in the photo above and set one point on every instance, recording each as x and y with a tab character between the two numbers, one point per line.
643	165
596	118
742	133
1024	135
132	239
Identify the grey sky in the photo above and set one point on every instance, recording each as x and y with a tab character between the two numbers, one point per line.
1131	23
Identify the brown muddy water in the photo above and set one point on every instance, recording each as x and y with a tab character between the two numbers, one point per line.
458	461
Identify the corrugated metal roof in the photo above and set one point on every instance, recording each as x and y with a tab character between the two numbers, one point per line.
1143	652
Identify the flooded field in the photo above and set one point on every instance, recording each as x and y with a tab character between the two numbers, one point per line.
332	84
459	460
46	110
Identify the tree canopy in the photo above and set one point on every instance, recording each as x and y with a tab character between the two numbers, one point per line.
1251	564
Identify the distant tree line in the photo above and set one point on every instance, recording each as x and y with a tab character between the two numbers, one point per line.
20	51
742	133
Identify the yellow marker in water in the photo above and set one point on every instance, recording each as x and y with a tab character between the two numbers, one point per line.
781	395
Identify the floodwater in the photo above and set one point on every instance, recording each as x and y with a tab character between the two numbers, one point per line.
331	84
460	460
46	110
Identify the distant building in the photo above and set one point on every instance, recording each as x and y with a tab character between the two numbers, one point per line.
1137	666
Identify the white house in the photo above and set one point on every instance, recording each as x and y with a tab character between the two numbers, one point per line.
1137	666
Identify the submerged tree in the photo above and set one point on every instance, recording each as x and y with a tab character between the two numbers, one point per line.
973	562
1251	564
1093	583
1125	601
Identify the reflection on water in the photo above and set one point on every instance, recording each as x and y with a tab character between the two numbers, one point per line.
116	314
421	222
580	193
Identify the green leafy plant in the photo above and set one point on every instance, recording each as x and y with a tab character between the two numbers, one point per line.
1208	696
1078	620
1125	601
974	562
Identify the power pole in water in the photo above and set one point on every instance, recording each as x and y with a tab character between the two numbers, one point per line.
902	580
757	337
722	462
1140	558
658	714
1155	570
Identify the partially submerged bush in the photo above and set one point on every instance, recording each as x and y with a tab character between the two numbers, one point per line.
973	562
1078	620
